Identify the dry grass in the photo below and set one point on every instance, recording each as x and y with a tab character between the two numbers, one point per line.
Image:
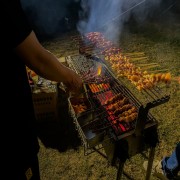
61	155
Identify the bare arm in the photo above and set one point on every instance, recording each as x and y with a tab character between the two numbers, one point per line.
44	63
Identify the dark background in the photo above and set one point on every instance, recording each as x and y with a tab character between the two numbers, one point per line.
50	18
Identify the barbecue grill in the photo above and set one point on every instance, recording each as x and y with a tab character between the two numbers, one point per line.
112	118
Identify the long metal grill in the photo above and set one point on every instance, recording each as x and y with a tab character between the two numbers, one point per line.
113	104
100	127
95	46
114	119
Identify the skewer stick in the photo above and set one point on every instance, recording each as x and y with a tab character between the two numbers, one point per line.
138	61
176	79
138	58
149	67
149	64
159	70
134	53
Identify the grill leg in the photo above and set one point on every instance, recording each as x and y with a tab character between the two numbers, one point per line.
150	163
120	170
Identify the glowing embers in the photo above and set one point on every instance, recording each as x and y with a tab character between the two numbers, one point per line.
99	69
121	108
96	75
121	113
95	88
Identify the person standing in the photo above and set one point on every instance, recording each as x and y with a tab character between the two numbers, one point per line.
20	48
168	167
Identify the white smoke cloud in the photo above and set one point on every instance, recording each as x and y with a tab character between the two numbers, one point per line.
108	16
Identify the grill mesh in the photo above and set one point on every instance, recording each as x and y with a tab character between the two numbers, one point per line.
98	121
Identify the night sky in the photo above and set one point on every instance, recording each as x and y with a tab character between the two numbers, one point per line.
52	17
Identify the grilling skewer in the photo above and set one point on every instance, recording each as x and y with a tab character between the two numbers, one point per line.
99	38
116	115
120	105
128	118
100	93
114	98
96	82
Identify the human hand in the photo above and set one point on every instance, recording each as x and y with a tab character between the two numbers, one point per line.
73	82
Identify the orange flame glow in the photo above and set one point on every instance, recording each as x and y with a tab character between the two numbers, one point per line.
99	70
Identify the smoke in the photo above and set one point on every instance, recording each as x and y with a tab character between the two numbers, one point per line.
108	16
47	15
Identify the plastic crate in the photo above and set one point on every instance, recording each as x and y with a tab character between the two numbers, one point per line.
45	106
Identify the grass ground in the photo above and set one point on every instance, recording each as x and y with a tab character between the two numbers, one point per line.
61	154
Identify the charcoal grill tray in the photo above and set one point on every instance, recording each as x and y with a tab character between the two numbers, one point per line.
84	122
91	140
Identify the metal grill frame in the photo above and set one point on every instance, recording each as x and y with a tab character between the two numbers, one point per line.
142	115
122	147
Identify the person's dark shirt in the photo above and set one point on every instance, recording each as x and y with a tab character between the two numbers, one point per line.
18	119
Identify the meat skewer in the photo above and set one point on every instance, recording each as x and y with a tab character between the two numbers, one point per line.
114	99
118	104
128	118
128	112
122	109
123	67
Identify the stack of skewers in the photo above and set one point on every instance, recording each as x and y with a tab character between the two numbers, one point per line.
124	64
